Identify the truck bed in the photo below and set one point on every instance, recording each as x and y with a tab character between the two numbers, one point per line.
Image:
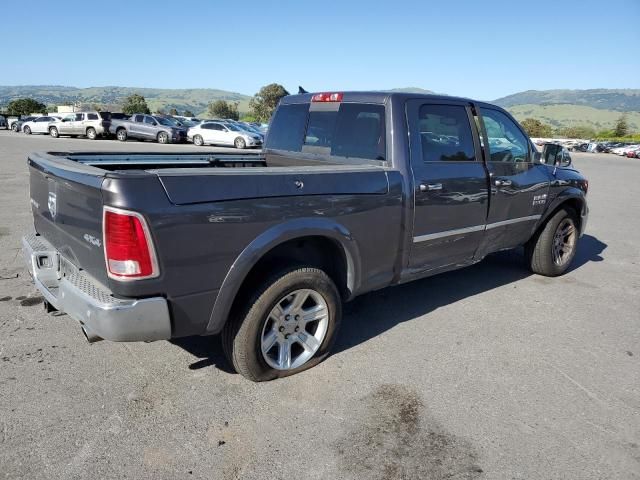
202	209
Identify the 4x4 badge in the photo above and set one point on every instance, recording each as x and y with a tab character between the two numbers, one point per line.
52	205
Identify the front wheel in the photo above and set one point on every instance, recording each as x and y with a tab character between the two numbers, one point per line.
552	249
53	132
240	143
14	127
286	326
163	137
91	133
198	140
27	130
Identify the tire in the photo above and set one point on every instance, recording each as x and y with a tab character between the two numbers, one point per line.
121	134
553	247
250	326
198	140
240	143
91	133
53	132
162	137
27	130
14	127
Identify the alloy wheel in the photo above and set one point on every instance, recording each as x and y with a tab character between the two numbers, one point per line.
294	329
564	241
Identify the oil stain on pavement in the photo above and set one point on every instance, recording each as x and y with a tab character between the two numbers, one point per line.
393	438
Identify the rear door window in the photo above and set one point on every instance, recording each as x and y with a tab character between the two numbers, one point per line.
92	116
445	134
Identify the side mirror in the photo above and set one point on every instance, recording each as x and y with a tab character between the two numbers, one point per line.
565	159
551	154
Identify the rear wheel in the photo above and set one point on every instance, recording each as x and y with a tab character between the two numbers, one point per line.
91	133
14	127
53	131
551	251
163	137
286	326
121	134
27	130
198	140
240	143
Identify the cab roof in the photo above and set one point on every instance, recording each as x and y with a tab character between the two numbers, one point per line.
374	97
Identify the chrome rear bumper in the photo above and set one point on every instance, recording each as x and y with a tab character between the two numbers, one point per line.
100	313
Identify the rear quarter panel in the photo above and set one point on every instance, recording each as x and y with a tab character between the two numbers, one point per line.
198	244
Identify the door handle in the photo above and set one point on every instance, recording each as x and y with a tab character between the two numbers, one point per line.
430	187
503	182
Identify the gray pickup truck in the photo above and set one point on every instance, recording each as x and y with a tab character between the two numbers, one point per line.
148	127
353	192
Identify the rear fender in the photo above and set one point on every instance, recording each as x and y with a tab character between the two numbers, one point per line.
298	228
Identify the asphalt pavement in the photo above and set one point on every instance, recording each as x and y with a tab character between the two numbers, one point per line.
484	373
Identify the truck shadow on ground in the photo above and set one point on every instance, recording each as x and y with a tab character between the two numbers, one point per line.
374	313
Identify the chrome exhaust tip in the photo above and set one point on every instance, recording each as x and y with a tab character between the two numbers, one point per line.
90	336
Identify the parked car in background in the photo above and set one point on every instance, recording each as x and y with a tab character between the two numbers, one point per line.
38	125
89	124
3	122
223	133
16	125
190	119
635	153
148	127
250	128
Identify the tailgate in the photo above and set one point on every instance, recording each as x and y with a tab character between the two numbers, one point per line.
245	183
66	202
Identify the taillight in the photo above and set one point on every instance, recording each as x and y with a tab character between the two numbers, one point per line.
128	248
327	97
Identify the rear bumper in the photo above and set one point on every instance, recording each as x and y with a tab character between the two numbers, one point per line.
83	299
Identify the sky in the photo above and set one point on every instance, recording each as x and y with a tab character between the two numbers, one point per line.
479	49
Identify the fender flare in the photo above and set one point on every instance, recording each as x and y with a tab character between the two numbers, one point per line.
570	193
271	238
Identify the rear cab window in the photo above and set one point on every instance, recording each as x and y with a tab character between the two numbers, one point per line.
337	130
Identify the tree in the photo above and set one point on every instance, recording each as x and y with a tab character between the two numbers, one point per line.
223	109
160	111
535	128
266	100
25	106
173	112
622	127
189	113
135	104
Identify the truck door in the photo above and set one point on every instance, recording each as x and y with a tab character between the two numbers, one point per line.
450	184
519	186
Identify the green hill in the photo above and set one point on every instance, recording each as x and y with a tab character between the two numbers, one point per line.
624	100
574	115
194	99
